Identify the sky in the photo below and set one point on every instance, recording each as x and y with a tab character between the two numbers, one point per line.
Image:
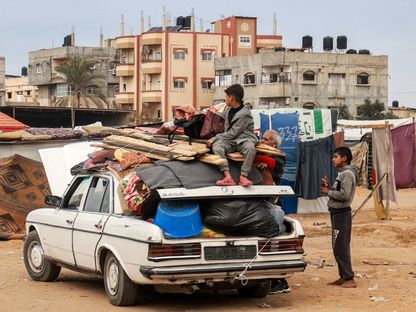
384	27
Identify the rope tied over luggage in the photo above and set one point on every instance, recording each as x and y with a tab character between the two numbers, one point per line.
240	276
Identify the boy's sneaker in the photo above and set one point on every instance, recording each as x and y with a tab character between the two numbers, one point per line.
279	286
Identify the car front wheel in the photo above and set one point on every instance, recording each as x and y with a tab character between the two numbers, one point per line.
39	268
119	288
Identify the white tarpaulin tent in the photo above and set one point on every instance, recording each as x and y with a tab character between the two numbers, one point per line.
353	130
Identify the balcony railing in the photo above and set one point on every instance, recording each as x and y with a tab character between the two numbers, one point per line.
275	77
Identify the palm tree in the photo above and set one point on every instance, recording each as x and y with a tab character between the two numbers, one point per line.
78	72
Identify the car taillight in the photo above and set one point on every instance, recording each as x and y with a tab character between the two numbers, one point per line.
160	252
276	246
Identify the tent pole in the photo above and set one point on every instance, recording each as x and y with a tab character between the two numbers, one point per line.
388	177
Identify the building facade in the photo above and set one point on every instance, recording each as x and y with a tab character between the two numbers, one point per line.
18	91
2	80
167	66
52	89
305	79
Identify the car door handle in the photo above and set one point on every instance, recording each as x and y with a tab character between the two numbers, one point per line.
69	221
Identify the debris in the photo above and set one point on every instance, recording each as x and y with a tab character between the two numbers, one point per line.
364	275
264	305
319	223
376	262
375	287
413	273
399	218
7	253
392	270
378	299
315	279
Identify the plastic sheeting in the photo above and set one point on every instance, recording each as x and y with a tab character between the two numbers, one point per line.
404	147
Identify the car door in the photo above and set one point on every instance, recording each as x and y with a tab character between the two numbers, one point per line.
89	224
57	235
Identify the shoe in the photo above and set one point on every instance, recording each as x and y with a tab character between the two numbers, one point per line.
225	182
349	284
245	182
279	286
337	282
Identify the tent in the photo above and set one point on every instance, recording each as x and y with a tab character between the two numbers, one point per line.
8	124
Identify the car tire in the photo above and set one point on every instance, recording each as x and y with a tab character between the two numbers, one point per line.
259	290
118	286
39	268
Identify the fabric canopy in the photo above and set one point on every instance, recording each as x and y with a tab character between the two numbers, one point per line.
8	123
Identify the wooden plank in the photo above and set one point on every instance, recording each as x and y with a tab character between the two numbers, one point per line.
195	147
147	154
212	159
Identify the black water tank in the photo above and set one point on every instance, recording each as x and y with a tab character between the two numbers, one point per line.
342	42
307	42
187	22
180	21
351	51
395	104
24	71
328	43
67	41
364	51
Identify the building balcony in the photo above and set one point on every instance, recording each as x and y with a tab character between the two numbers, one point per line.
152	96
125	98
126	42
151	68
151	39
274	89
123	70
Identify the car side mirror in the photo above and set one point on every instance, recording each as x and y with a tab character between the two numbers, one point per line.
53	200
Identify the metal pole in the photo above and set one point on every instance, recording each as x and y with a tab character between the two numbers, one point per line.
388	171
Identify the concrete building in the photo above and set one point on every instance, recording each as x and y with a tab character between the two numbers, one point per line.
19	92
168	66
54	92
403	112
305	79
2	80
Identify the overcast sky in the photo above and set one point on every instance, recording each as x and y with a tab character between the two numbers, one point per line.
384	27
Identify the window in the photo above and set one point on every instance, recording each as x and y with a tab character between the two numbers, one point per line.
179	55
28	92
92	90
309	105
9	95
207	84
207	56
63	90
158	85
124	87
179	84
362	79
223	78
73	198
249	78
309	76
157	55
98	198
38	69
244	41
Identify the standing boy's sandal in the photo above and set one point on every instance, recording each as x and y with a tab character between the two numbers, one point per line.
226	182
245	182
349	284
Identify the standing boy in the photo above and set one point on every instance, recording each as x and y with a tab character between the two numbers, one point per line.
340	196
238	136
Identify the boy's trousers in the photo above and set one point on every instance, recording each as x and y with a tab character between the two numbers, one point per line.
341	221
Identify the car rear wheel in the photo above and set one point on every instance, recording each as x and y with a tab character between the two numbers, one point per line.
119	287
259	290
39	268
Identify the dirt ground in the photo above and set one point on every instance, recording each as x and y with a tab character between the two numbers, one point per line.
384	261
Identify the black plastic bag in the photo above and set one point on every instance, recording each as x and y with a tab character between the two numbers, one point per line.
240	218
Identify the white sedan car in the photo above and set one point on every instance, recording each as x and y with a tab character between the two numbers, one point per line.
87	231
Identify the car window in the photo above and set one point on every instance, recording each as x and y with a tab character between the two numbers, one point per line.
73	198
98	199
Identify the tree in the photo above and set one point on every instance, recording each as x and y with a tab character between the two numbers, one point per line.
373	111
344	113
78	73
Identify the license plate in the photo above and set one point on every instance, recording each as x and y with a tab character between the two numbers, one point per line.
230	252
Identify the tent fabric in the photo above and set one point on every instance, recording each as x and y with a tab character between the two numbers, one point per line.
8	124
360	160
315	162
23	187
380	148
404	148
322	122
318	205
287	126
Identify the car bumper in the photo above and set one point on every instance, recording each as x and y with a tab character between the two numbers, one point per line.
223	271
